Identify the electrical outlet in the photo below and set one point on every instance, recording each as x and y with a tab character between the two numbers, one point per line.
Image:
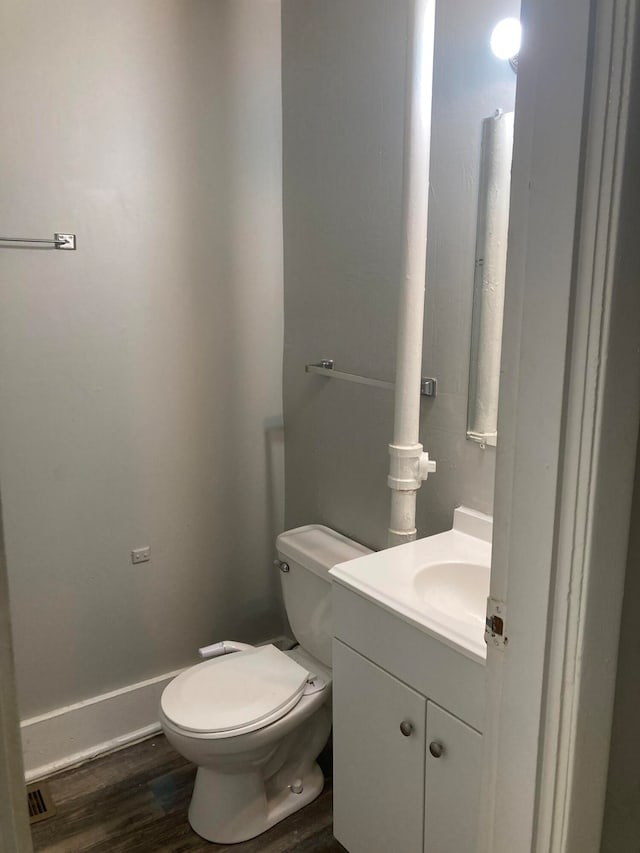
141	555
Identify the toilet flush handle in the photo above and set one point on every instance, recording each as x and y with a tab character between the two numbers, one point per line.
284	567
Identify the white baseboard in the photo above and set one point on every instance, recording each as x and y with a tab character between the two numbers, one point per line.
74	734
69	736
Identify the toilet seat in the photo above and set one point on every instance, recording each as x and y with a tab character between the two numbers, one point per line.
236	693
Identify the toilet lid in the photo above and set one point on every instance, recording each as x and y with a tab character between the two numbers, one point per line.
235	693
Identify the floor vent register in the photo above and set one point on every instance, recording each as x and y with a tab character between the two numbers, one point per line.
40	803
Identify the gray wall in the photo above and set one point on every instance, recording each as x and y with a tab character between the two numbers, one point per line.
343	100
140	377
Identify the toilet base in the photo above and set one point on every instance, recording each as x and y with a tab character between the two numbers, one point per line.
228	809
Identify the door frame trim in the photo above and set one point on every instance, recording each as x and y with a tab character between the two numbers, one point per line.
569	417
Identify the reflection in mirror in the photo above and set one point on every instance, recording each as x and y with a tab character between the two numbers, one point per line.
490	268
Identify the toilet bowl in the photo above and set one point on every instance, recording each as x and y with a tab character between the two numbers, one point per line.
255	721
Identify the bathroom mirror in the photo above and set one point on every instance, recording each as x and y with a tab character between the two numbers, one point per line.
489	277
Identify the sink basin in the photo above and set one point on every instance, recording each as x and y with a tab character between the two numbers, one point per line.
439	584
457	590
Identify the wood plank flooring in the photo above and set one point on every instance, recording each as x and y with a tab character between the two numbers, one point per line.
135	801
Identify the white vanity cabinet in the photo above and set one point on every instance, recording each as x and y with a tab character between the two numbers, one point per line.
406	772
378	771
452	783
409	666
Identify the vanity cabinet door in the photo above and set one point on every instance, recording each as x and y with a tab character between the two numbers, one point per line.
379	757
452	795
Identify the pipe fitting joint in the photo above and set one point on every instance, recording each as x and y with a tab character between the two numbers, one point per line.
427	466
409	466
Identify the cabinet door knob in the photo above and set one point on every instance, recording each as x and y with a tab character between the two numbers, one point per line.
406	728
436	749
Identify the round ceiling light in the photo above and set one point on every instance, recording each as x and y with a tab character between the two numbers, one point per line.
506	38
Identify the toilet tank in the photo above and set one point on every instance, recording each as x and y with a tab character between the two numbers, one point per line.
310	552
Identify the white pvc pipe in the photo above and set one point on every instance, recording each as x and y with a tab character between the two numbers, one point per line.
491	265
408	464
225	647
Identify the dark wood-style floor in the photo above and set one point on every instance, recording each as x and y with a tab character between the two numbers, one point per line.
135	801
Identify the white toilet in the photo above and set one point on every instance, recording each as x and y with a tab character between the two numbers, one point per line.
255	721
